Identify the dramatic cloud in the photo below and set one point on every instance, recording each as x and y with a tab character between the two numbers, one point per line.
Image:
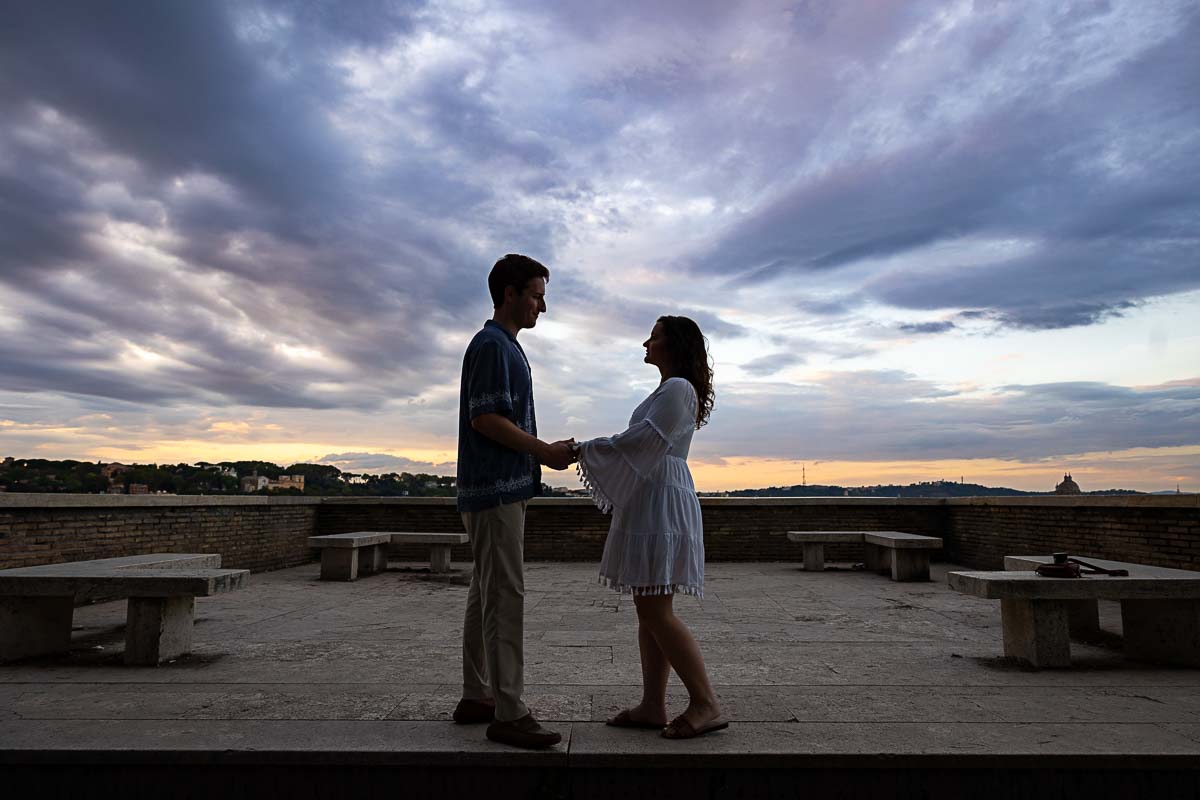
873	416
281	213
380	463
927	327
769	365
1083	187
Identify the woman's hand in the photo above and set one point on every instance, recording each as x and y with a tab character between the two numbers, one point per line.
557	455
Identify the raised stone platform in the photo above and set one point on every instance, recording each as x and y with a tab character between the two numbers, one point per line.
836	682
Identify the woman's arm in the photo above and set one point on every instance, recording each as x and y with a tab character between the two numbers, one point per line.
612	467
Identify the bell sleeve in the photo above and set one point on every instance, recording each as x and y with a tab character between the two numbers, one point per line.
613	468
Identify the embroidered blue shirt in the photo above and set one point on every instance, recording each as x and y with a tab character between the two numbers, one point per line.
495	380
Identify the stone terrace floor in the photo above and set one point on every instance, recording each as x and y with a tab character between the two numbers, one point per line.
809	665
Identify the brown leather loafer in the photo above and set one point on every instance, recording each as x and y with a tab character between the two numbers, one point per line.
469	712
523	732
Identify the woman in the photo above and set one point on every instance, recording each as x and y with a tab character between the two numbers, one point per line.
655	546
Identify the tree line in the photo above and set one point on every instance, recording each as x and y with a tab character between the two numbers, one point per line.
87	477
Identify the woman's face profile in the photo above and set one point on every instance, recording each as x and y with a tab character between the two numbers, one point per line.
656	347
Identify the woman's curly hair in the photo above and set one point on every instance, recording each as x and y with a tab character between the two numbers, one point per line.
689	353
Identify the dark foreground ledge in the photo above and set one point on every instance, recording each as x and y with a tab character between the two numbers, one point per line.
323	758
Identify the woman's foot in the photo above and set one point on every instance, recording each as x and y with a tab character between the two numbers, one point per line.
696	720
640	716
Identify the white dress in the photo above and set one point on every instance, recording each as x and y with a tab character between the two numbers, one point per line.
655	543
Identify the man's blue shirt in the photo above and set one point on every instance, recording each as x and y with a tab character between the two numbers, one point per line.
495	380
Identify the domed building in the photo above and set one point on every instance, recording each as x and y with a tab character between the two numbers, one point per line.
1067	486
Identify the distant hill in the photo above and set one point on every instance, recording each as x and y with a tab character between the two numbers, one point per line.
924	489
41	475
86	477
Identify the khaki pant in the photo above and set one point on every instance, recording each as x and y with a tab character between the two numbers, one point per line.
494	626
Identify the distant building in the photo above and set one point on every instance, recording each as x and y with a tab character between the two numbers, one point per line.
255	482
252	483
287	482
139	488
109	470
1067	486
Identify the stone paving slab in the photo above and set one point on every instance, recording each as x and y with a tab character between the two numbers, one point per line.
1190	730
962	745
266	741
839	663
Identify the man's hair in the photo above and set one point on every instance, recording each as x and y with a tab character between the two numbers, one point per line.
513	270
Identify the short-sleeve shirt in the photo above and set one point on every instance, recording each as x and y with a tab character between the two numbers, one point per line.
495	380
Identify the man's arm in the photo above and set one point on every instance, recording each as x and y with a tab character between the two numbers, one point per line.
502	430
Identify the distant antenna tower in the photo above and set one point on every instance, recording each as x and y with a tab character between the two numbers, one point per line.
804	476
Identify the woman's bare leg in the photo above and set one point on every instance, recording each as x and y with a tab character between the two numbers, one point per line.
656	614
655	671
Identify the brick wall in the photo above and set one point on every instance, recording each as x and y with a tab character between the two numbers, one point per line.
256	536
756	530
260	533
557	530
574	530
978	532
1162	532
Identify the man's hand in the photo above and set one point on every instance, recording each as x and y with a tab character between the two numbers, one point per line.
503	431
557	455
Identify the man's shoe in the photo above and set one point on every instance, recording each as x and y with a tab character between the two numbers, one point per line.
469	712
523	732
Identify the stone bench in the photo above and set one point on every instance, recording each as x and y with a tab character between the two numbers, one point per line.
1160	610
37	603
1083	616
904	555
341	559
345	555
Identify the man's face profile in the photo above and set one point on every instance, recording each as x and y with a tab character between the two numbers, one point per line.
529	303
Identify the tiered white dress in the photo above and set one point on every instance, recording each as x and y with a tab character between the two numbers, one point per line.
656	540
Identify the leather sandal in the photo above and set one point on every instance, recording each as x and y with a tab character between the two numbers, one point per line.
680	728
624	720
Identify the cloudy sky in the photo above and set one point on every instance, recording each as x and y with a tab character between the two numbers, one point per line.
926	239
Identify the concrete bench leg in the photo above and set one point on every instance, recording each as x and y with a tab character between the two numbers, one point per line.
1162	631
877	559
910	565
373	560
35	626
439	558
158	629
339	564
1037	631
814	556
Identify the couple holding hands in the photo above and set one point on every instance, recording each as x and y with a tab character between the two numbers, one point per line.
655	544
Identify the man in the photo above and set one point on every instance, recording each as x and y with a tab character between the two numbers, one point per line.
499	457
